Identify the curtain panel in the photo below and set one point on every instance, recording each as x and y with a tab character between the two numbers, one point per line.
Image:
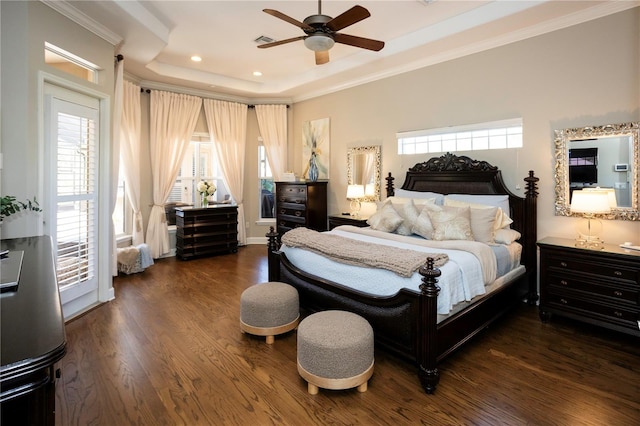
173	119
272	121
114	153
227	122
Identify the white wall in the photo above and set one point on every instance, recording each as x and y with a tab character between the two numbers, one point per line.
584	75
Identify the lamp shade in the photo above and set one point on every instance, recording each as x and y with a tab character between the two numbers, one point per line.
611	194
355	192
590	202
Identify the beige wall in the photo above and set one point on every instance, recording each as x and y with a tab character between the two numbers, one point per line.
585	75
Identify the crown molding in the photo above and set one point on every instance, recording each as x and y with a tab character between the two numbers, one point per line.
64	8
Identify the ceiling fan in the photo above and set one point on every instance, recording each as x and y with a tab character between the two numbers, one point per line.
322	31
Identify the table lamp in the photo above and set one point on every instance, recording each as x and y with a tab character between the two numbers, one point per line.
355	193
590	203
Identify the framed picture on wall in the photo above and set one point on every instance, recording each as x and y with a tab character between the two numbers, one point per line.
316	149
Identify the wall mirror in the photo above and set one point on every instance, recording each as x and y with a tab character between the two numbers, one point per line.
363	168
599	156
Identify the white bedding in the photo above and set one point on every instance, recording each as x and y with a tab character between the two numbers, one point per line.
461	280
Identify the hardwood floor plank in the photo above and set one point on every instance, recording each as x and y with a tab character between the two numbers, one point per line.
169	351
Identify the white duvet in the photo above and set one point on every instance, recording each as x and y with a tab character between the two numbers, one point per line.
462	276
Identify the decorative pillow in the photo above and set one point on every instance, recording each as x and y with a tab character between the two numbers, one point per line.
439	198
483	224
385	219
451	223
409	213
502	220
507	236
422	225
501	201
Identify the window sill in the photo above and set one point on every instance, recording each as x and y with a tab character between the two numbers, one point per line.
266	222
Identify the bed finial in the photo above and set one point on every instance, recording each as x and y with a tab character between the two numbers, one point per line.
389	188
427	360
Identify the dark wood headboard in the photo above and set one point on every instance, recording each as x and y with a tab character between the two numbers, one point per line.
452	174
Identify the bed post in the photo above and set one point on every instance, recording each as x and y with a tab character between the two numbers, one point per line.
273	245
531	236
389	187
427	327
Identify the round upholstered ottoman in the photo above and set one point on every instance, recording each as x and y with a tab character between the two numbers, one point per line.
335	351
268	309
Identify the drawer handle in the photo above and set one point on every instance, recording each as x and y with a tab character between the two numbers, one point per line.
298	201
563	264
617	293
283	211
298	213
564	282
617	273
618	314
563	301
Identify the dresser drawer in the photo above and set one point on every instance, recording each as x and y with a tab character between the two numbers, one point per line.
592	266
623	316
594	288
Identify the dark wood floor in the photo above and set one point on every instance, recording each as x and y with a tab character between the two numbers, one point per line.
168	350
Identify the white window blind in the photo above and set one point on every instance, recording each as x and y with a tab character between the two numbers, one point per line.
501	134
76	199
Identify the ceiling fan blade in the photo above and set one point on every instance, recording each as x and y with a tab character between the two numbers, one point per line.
288	19
322	57
279	42
350	17
364	43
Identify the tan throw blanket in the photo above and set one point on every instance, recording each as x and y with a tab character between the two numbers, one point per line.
353	252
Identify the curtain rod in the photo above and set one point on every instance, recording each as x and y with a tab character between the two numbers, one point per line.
119	58
143	90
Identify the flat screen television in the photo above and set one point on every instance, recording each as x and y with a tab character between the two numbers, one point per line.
583	174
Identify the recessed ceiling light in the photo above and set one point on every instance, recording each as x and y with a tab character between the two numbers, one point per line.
196	58
257	73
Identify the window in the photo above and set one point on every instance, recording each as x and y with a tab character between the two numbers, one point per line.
266	185
199	163
70	63
492	135
583	165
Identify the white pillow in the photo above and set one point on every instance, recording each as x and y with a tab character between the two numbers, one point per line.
422	225
385	219
409	213
501	201
502	220
451	223
507	236
439	198
483	224
417	201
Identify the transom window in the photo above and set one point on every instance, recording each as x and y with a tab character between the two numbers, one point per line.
501	134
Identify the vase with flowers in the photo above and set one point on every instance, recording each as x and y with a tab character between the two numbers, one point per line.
10	205
205	189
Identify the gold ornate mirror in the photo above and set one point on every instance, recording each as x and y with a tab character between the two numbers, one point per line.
363	168
599	156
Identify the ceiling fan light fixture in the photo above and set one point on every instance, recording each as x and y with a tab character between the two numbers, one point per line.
319	43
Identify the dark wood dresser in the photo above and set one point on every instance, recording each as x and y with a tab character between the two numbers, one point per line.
206	231
600	287
301	204
33	337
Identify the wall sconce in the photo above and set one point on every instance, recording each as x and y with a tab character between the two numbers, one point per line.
590	203
355	193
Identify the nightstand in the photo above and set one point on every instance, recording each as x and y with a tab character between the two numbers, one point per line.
343	219
599	287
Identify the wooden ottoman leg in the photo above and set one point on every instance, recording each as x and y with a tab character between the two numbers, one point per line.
363	387
270	340
312	389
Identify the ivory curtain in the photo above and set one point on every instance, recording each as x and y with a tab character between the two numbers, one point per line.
115	157
272	120
172	122
227	122
130	154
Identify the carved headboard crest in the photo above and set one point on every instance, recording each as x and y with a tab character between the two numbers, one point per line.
452	162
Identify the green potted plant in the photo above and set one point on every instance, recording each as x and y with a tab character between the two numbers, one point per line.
10	205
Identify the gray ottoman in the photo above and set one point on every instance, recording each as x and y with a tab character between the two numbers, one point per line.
268	309
335	351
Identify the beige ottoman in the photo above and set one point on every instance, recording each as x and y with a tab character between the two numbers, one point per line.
335	351
268	309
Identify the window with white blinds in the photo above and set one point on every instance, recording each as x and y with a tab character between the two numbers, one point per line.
76	197
501	134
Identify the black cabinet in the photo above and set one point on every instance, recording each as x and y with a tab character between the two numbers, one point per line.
301	204
600	287
206	231
343	219
33	337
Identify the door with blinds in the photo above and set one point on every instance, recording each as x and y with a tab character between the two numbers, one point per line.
71	138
